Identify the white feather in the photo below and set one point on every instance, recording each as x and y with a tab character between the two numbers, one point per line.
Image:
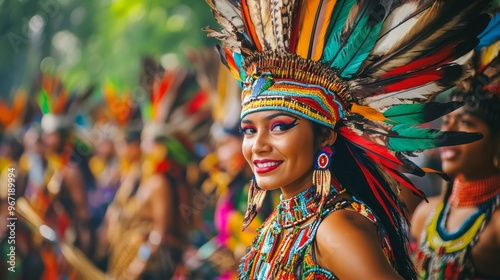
277	22
229	12
391	33
384	101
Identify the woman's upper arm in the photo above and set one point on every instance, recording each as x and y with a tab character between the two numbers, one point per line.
347	244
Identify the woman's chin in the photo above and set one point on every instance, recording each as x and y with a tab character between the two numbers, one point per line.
266	185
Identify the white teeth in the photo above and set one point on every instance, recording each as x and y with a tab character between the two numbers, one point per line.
266	164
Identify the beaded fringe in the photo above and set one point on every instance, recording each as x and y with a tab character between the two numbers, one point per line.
256	197
322	179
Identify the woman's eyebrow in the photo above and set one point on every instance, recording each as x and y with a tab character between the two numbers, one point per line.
246	121
272	116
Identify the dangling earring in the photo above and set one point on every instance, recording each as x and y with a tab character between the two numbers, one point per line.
256	197
322	177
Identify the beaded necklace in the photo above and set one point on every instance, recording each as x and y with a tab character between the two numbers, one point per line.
475	192
283	238
445	255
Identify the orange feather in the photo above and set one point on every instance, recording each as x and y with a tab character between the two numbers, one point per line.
315	18
249	26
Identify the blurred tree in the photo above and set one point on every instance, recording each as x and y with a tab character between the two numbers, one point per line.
95	40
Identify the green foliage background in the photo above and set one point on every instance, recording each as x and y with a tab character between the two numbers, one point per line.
91	41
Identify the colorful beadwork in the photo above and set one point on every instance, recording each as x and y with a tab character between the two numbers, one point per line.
446	255
474	193
283	249
309	101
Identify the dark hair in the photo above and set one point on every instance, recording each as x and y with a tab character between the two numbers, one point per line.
347	171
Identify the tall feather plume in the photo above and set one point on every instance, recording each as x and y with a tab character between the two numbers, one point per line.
277	23
317	14
256	20
339	16
443	21
267	24
363	38
398	22
357	18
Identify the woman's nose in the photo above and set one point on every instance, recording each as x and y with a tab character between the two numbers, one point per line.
449	125
261	142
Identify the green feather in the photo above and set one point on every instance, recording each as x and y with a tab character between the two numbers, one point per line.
360	43
337	22
419	113
43	102
407	138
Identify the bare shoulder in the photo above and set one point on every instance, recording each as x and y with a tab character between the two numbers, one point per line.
347	244
495	222
422	214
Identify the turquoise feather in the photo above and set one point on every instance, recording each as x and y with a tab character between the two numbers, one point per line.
408	138
419	113
337	22
359	47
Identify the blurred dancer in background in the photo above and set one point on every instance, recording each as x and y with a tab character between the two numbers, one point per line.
145	230
458	234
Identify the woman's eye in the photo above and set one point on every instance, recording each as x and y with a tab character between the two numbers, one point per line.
281	126
466	123
247	130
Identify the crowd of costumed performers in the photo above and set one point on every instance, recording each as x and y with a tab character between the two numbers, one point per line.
282	153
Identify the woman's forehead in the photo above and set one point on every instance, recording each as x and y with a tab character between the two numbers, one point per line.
268	115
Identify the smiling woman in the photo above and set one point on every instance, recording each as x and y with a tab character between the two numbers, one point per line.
331	100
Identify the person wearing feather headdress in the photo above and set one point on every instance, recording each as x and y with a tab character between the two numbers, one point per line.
458	234
59	195
145	229
332	95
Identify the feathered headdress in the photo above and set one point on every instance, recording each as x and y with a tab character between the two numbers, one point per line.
224	91
481	91
363	67
175	110
58	105
120	112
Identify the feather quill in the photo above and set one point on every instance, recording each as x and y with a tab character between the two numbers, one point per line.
256	20
337	22
360	44
277	23
270	41
398	22
445	21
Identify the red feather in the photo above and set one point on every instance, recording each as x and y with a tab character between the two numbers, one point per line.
375	151
411	82
198	101
294	30
375	188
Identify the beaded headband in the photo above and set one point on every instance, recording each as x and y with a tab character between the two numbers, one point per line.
288	82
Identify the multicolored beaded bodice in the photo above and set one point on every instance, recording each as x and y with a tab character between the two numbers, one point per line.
446	255
283	249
